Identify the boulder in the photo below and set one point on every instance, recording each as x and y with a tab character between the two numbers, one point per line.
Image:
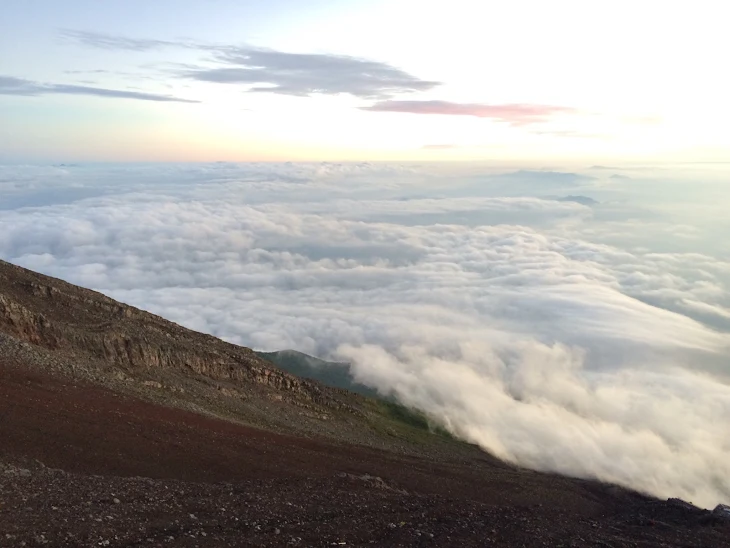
722	511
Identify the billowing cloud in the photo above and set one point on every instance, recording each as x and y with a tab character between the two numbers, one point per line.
528	325
513	114
10	85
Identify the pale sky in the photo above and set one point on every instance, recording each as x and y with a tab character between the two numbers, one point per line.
185	80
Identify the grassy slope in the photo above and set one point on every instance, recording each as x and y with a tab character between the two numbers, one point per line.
335	374
389	416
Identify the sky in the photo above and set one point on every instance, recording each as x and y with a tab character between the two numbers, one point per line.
401	80
573	321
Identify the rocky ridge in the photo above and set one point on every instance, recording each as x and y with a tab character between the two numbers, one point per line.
83	333
58	316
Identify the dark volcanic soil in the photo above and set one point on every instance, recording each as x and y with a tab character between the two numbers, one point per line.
206	482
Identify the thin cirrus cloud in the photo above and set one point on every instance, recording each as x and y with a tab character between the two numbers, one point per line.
302	74
513	114
263	70
10	85
113	42
272	71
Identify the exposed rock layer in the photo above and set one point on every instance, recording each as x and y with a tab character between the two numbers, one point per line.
59	316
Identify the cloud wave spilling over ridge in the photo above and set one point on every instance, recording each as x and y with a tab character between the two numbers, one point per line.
590	339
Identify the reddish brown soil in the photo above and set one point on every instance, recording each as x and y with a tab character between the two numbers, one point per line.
80	427
222	484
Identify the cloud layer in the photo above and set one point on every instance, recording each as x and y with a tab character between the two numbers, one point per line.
589	340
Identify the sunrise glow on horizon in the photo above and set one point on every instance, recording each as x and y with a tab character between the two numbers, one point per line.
348	80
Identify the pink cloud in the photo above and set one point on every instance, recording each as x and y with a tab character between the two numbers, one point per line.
513	114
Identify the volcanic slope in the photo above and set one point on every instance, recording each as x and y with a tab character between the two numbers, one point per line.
119	428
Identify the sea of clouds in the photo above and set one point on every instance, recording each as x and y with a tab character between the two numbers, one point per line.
589	337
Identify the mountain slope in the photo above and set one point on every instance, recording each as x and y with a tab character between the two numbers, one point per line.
83	334
119	428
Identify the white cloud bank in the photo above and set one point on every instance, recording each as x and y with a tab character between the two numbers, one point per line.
587	340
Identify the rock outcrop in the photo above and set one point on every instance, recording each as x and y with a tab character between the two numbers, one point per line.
58	316
722	511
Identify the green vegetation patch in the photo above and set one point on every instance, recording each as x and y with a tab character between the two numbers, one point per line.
406	421
387	416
